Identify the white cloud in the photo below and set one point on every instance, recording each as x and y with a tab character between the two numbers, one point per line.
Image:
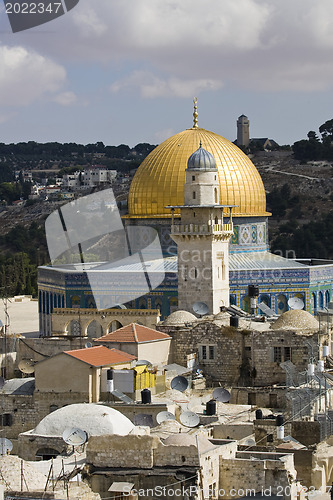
152	86
89	22
26	76
270	45
66	98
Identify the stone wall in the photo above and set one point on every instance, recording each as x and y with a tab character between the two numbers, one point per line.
121	452
258	472
263	397
23	416
232	431
29	444
265	431
62	317
235	357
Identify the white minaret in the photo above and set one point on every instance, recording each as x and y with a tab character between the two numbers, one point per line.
202	238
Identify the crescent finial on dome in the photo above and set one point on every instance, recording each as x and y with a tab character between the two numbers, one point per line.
195	114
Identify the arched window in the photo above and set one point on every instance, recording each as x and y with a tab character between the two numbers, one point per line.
75	301
114	325
282	304
321	300
233	300
327	297
94	330
313	302
46	453
173	304
246	304
74	328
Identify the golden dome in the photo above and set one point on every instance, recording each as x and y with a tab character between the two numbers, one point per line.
160	179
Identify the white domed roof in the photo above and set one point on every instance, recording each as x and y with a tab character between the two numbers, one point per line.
201	160
96	420
179	318
296	319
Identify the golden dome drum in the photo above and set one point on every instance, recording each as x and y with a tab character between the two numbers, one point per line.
160	179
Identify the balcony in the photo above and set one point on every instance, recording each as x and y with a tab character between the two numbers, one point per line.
202	229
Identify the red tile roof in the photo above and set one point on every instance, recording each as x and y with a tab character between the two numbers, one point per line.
101	356
134	333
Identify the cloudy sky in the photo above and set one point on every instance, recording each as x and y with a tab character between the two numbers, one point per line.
126	71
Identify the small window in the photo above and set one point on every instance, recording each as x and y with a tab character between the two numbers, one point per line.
287	354
211	352
193	177
194	195
6	420
277	354
270	438
207	352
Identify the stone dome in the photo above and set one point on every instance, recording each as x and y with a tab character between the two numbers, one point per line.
179	318
159	180
96	420
296	319
201	160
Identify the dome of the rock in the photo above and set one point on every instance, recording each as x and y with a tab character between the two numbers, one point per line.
160	179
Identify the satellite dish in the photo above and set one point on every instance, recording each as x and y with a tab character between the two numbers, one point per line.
142	362
74	436
296	303
189	419
26	366
164	416
144	419
5	446
87	345
179	383
200	308
221	395
249	442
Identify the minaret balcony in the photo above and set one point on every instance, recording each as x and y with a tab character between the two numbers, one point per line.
202	229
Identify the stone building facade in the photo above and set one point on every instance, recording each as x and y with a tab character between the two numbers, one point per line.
236	357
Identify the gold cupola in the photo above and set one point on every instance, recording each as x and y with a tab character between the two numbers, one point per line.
159	180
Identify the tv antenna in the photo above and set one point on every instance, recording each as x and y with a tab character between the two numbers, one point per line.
179	383
142	362
200	308
164	416
189	419
26	366
74	436
221	395
296	303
